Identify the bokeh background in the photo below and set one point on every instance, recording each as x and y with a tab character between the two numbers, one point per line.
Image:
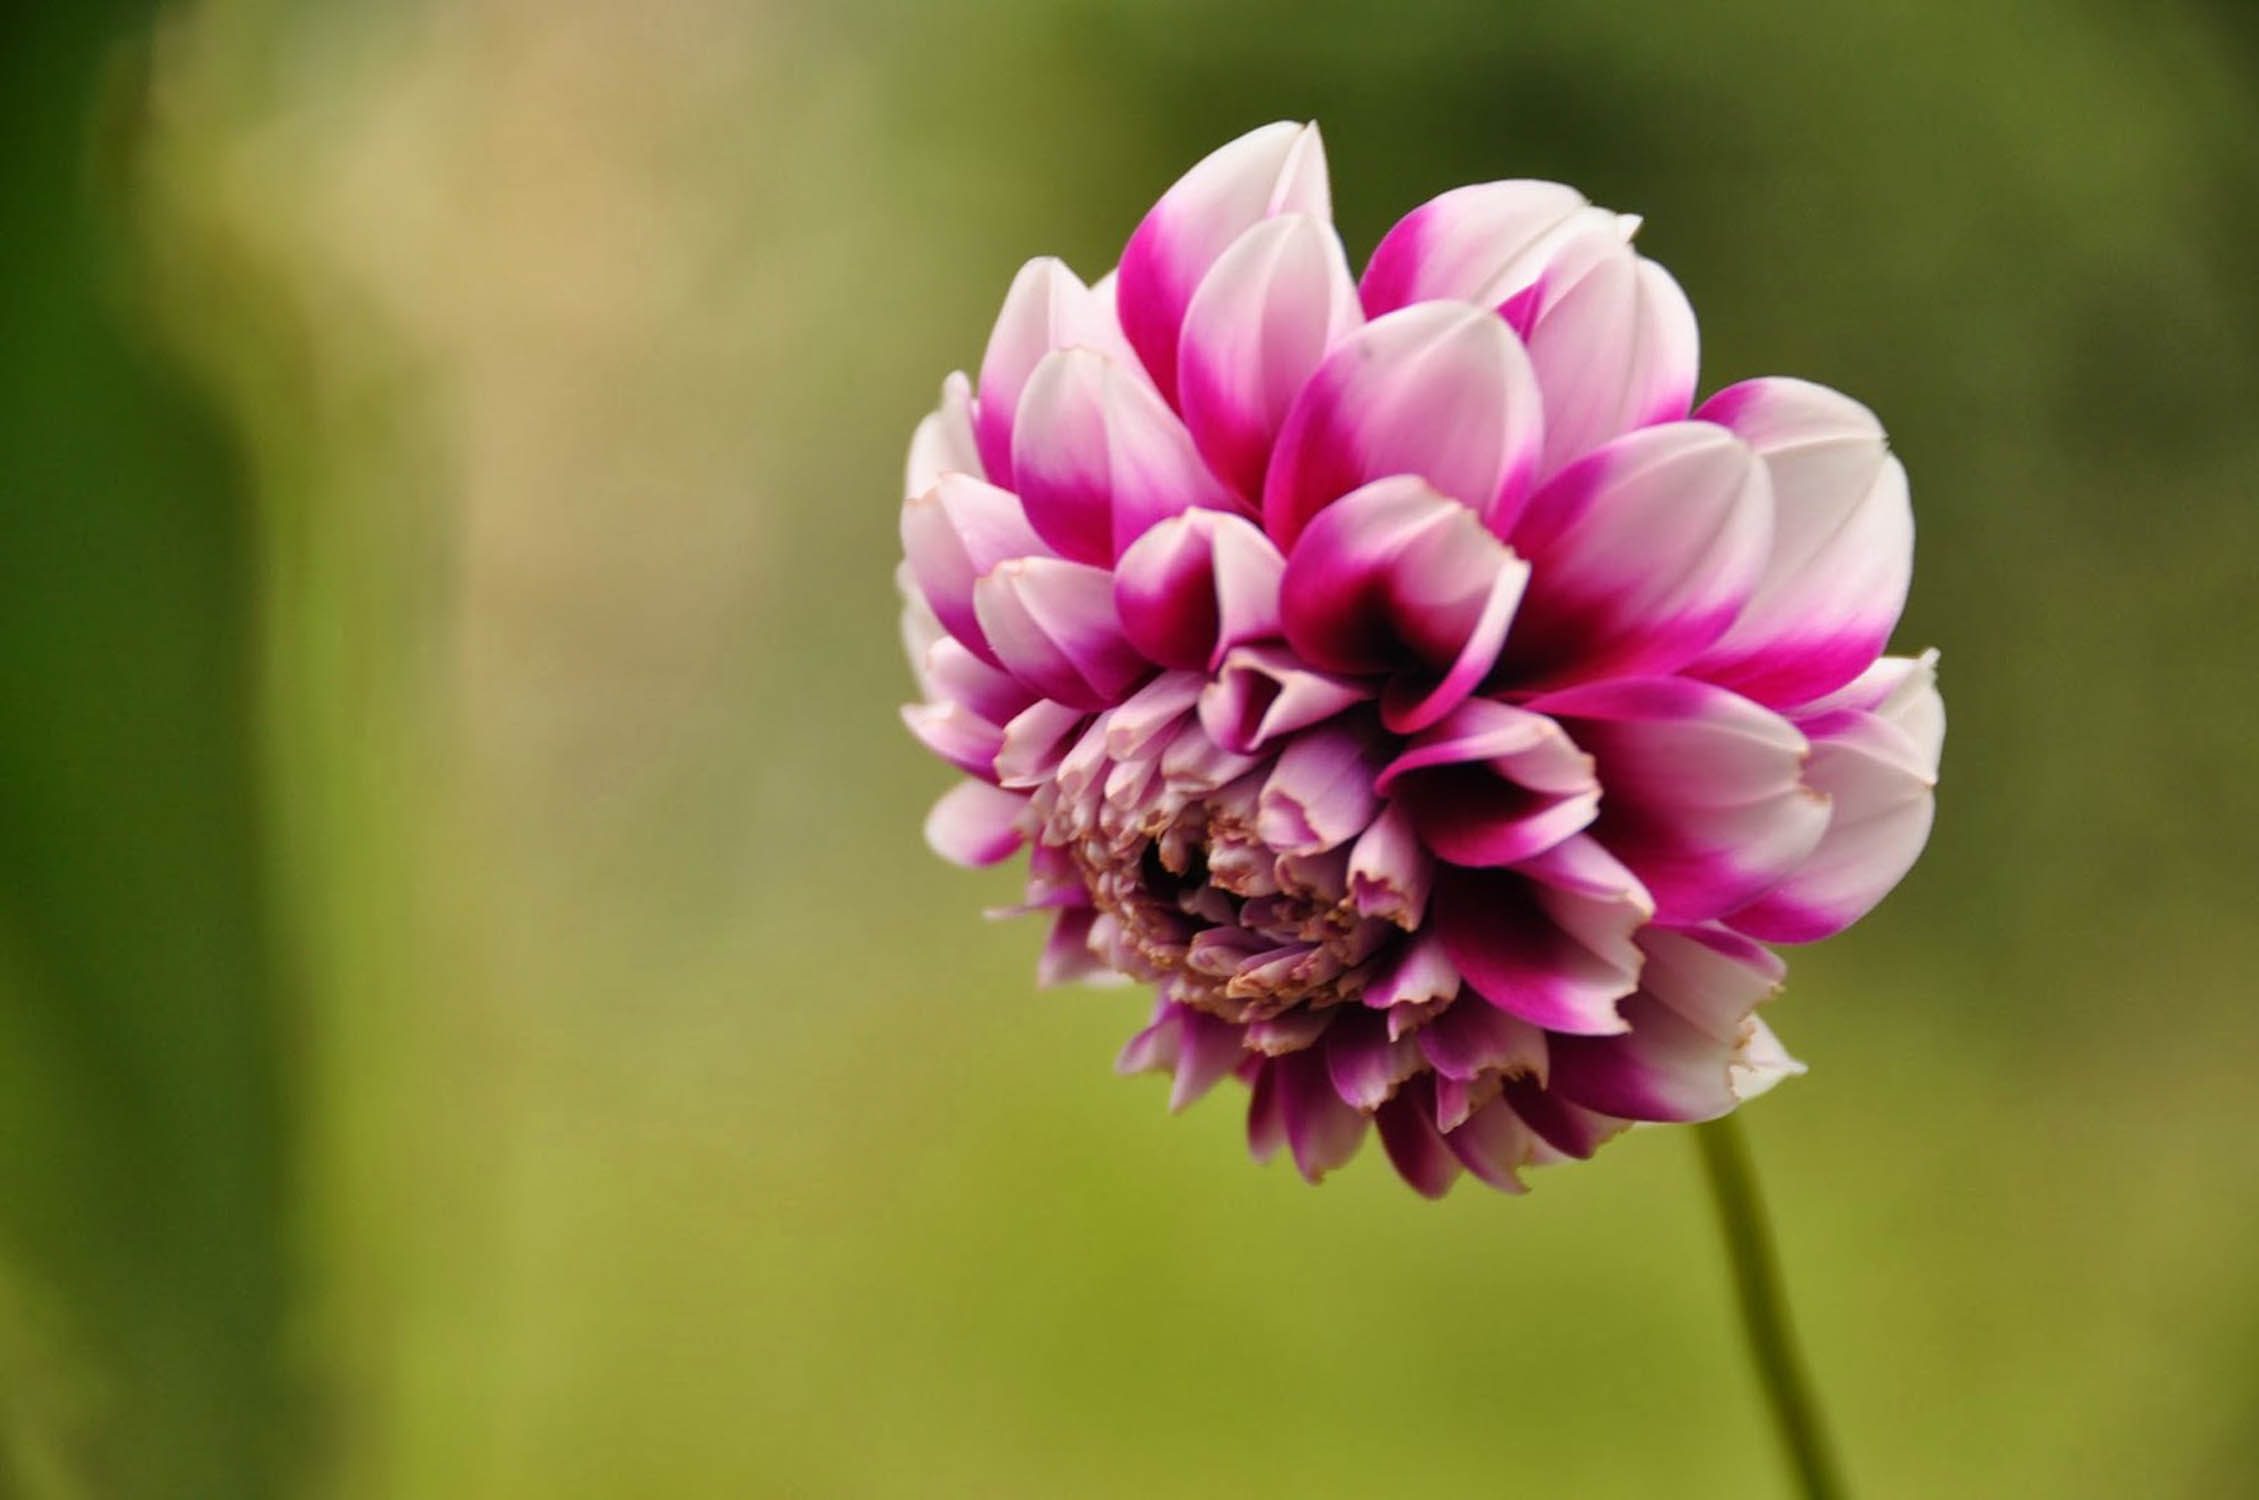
477	1018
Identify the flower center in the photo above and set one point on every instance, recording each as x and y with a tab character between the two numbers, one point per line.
1195	901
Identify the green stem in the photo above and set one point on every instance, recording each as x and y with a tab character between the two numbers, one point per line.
1764	1307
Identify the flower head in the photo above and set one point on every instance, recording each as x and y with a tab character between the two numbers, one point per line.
1401	675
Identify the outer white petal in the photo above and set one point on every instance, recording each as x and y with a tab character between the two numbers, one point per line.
1277	169
943	442
1843	543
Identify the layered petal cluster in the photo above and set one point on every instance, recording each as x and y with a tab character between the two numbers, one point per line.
1402	676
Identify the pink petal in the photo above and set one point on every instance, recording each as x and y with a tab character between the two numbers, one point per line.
1320	792
1442	390
1843	543
1456	1100
1687	1054
1666	1067
958	735
1389	870
1292	1031
1099	459
1264	317
1417	972
954	533
1322	1132
1278	169
1053	626
976	824
1143	722
1705	800
1880	781
1711	977
967	704
1198	1049
1902	689
1262	693
1611	337
943	442
1492	784
1470	1039
1641	555
1494	1145
1364	1062
1566	1127
1048	308
950	673
1473	244
1208	1051
1066	953
1506	941
1035	741
1196	585
1266	1111
1414	1146
1196	764
1397	578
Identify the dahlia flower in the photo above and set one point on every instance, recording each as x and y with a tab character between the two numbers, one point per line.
1402	676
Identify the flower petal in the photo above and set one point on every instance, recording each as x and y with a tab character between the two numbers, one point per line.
1415	973
1321	1131
1568	1128
1141	723
976	824
1641	555
943	442
1035	741
1705	800
1416	1149
1843	543
1470	1039
1266	1111
1048	308
1398	578
1663	1069
1066	953
1053	626
1611	336
952	534
1320	792
1442	390
1390	871
1713	978
1688	1026
1881	782
1277	169
1762	1063
1501	931
1494	1144
1099	459
1196	1048
1492	784
950	673
1472	244
958	735
1264	317
1902	689
1364	1062
1196	585
1262	693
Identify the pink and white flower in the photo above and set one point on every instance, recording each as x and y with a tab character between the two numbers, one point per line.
1403	676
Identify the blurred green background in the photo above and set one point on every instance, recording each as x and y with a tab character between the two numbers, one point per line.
476	1016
